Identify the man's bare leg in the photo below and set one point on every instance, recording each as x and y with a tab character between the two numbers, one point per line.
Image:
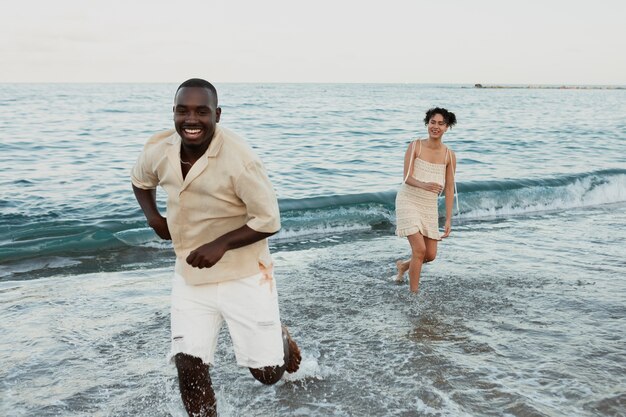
292	357
195	386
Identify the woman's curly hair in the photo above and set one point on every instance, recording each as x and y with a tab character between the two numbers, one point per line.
448	116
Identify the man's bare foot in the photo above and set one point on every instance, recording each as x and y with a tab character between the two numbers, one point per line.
293	361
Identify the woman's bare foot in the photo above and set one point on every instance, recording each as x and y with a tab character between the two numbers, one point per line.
400	276
401	271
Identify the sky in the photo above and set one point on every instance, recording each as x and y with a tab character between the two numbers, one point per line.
565	42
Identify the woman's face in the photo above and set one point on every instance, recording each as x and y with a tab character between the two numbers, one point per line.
437	126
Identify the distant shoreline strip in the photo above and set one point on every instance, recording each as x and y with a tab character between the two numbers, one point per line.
553	87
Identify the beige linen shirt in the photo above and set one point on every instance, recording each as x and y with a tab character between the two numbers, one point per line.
224	190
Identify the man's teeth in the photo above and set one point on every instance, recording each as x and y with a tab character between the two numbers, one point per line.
192	131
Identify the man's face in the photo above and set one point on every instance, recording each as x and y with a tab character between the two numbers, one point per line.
437	126
195	116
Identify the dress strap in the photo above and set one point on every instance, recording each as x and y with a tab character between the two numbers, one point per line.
419	152
408	171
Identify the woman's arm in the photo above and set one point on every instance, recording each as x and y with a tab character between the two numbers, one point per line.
449	193
408	168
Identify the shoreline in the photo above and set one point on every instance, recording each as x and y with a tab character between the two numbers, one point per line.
549	87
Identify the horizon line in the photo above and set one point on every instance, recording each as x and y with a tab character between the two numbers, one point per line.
473	85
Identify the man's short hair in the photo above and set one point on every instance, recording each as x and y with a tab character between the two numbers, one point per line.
198	82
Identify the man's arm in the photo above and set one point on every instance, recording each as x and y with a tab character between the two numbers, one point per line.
255	190
147	202
210	253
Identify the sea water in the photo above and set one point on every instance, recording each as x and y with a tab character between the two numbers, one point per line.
521	314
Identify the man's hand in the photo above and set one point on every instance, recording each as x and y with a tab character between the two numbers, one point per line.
207	255
159	225
210	253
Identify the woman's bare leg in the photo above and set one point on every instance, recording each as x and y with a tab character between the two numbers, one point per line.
431	249
430	254
418	251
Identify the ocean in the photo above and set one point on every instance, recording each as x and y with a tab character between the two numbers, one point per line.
523	313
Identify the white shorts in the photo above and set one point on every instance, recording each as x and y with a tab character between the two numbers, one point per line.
248	305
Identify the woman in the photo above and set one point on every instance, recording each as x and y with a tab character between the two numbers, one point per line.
429	168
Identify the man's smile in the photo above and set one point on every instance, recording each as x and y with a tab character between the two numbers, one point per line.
192	132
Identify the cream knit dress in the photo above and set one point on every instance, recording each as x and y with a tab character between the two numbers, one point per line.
417	209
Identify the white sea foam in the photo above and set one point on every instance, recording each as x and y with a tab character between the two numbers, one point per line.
580	194
318	230
143	236
52	262
309	368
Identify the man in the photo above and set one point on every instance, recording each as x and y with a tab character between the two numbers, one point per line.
221	208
